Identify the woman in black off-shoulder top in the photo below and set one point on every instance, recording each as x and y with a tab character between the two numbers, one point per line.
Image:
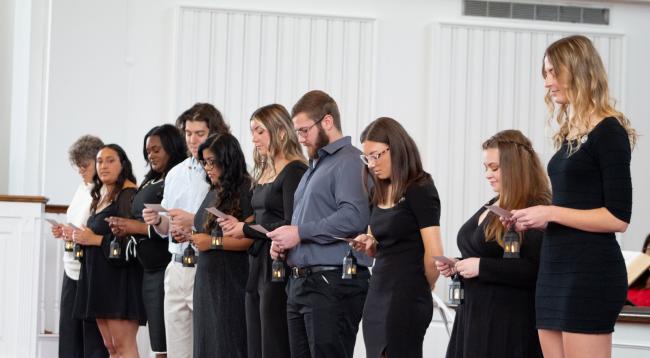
497	317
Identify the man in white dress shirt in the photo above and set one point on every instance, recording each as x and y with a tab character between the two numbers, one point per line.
185	189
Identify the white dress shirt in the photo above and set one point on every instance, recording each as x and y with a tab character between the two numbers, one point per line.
185	188
77	214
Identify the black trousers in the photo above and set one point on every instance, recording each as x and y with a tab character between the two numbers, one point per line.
266	321
323	313
77	338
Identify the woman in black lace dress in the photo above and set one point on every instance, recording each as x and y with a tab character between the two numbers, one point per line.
497	317
163	148
279	165
221	272
582	281
110	288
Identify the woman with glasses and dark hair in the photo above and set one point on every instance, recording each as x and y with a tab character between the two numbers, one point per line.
78	338
279	165
163	148
222	269
110	286
403	236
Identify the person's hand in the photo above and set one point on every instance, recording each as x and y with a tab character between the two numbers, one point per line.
67	232
86	237
276	252
468	268
57	231
201	241
286	237
446	269
179	233
231	227
365	243
535	217
122	226
151	217
181	218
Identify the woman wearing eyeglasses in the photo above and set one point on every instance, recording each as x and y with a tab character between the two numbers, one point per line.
279	165
221	272
403	236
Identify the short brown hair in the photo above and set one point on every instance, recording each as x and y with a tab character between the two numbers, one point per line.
204	112
316	104
83	149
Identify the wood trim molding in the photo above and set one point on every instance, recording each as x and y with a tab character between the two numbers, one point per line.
24	199
56	209
634	314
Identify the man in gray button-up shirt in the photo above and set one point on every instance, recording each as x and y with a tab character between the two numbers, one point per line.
324	310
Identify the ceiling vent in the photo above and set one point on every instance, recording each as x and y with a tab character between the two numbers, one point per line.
542	12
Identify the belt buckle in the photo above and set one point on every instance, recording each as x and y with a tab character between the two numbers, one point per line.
295	272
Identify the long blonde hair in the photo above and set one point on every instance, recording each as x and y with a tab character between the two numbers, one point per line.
523	180
283	139
577	64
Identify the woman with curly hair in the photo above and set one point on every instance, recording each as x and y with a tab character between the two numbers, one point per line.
221	272
582	280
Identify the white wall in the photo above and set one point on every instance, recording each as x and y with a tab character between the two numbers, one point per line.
6	46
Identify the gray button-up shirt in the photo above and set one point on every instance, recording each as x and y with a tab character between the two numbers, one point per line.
330	201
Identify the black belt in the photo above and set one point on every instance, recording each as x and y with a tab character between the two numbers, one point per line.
298	272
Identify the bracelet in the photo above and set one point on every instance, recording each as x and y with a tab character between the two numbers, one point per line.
159	221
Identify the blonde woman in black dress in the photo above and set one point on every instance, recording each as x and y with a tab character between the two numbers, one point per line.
279	166
582	281
403	236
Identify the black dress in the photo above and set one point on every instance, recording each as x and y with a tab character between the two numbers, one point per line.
153	254
582	281
110	288
399	306
219	290
266	301
497	318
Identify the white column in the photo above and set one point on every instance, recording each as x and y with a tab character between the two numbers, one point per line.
30	58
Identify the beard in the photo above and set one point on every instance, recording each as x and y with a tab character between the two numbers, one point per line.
321	141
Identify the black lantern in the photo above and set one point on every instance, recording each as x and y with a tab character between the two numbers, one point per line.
349	266
456	290
277	271
189	256
216	243
78	252
68	246
115	250
511	244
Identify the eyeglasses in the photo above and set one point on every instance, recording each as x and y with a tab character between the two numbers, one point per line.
208	163
366	159
304	130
